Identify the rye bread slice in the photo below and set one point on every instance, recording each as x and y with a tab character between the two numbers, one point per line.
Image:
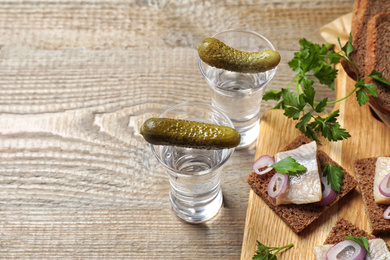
298	217
363	11
365	173
344	228
377	54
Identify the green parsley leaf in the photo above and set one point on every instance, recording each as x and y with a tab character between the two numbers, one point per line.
377	76
264	252
334	175
294	63
338	133
334	57
288	165
260	257
310	132
321	105
371	89
362	241
306	82
326	74
290	98
273	95
347	48
304	121
331	118
329	127
362	96
315	62
363	89
292	112
309	93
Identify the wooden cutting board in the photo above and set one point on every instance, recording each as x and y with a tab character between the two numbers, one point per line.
369	138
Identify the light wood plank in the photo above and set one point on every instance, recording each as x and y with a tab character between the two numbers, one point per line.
276	132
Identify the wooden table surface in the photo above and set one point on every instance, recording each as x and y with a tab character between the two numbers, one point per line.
77	79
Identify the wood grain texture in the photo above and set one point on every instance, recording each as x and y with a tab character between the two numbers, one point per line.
264	225
77	79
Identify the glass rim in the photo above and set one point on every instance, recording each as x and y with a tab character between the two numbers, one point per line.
210	170
272	71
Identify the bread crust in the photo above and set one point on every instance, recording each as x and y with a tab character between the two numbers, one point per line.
298	217
376	45
360	9
344	228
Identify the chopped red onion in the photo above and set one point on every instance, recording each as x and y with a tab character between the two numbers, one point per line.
277	184
262	162
384	187
346	250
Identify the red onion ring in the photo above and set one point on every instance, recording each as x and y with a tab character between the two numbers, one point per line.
386	214
348	248
384	188
263	161
328	194
277	184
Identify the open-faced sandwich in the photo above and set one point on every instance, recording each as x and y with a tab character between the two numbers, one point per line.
300	197
373	175
346	241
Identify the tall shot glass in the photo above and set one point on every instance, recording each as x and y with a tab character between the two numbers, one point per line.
194	174
239	95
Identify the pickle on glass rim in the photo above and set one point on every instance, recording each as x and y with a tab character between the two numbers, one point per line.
190	134
217	54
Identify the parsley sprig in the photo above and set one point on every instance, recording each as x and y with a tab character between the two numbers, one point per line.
264	252
313	63
334	175
288	165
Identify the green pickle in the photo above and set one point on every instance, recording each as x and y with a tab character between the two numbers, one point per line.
217	54
191	134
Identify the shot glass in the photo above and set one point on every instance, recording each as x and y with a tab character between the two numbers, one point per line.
239	95
194	174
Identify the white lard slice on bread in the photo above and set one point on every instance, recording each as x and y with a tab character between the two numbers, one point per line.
305	187
382	168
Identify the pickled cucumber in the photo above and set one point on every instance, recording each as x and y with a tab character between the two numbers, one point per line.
217	54
191	134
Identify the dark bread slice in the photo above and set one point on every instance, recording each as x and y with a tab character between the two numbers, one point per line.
363	11
365	173
298	217
356	25
377	54
344	228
